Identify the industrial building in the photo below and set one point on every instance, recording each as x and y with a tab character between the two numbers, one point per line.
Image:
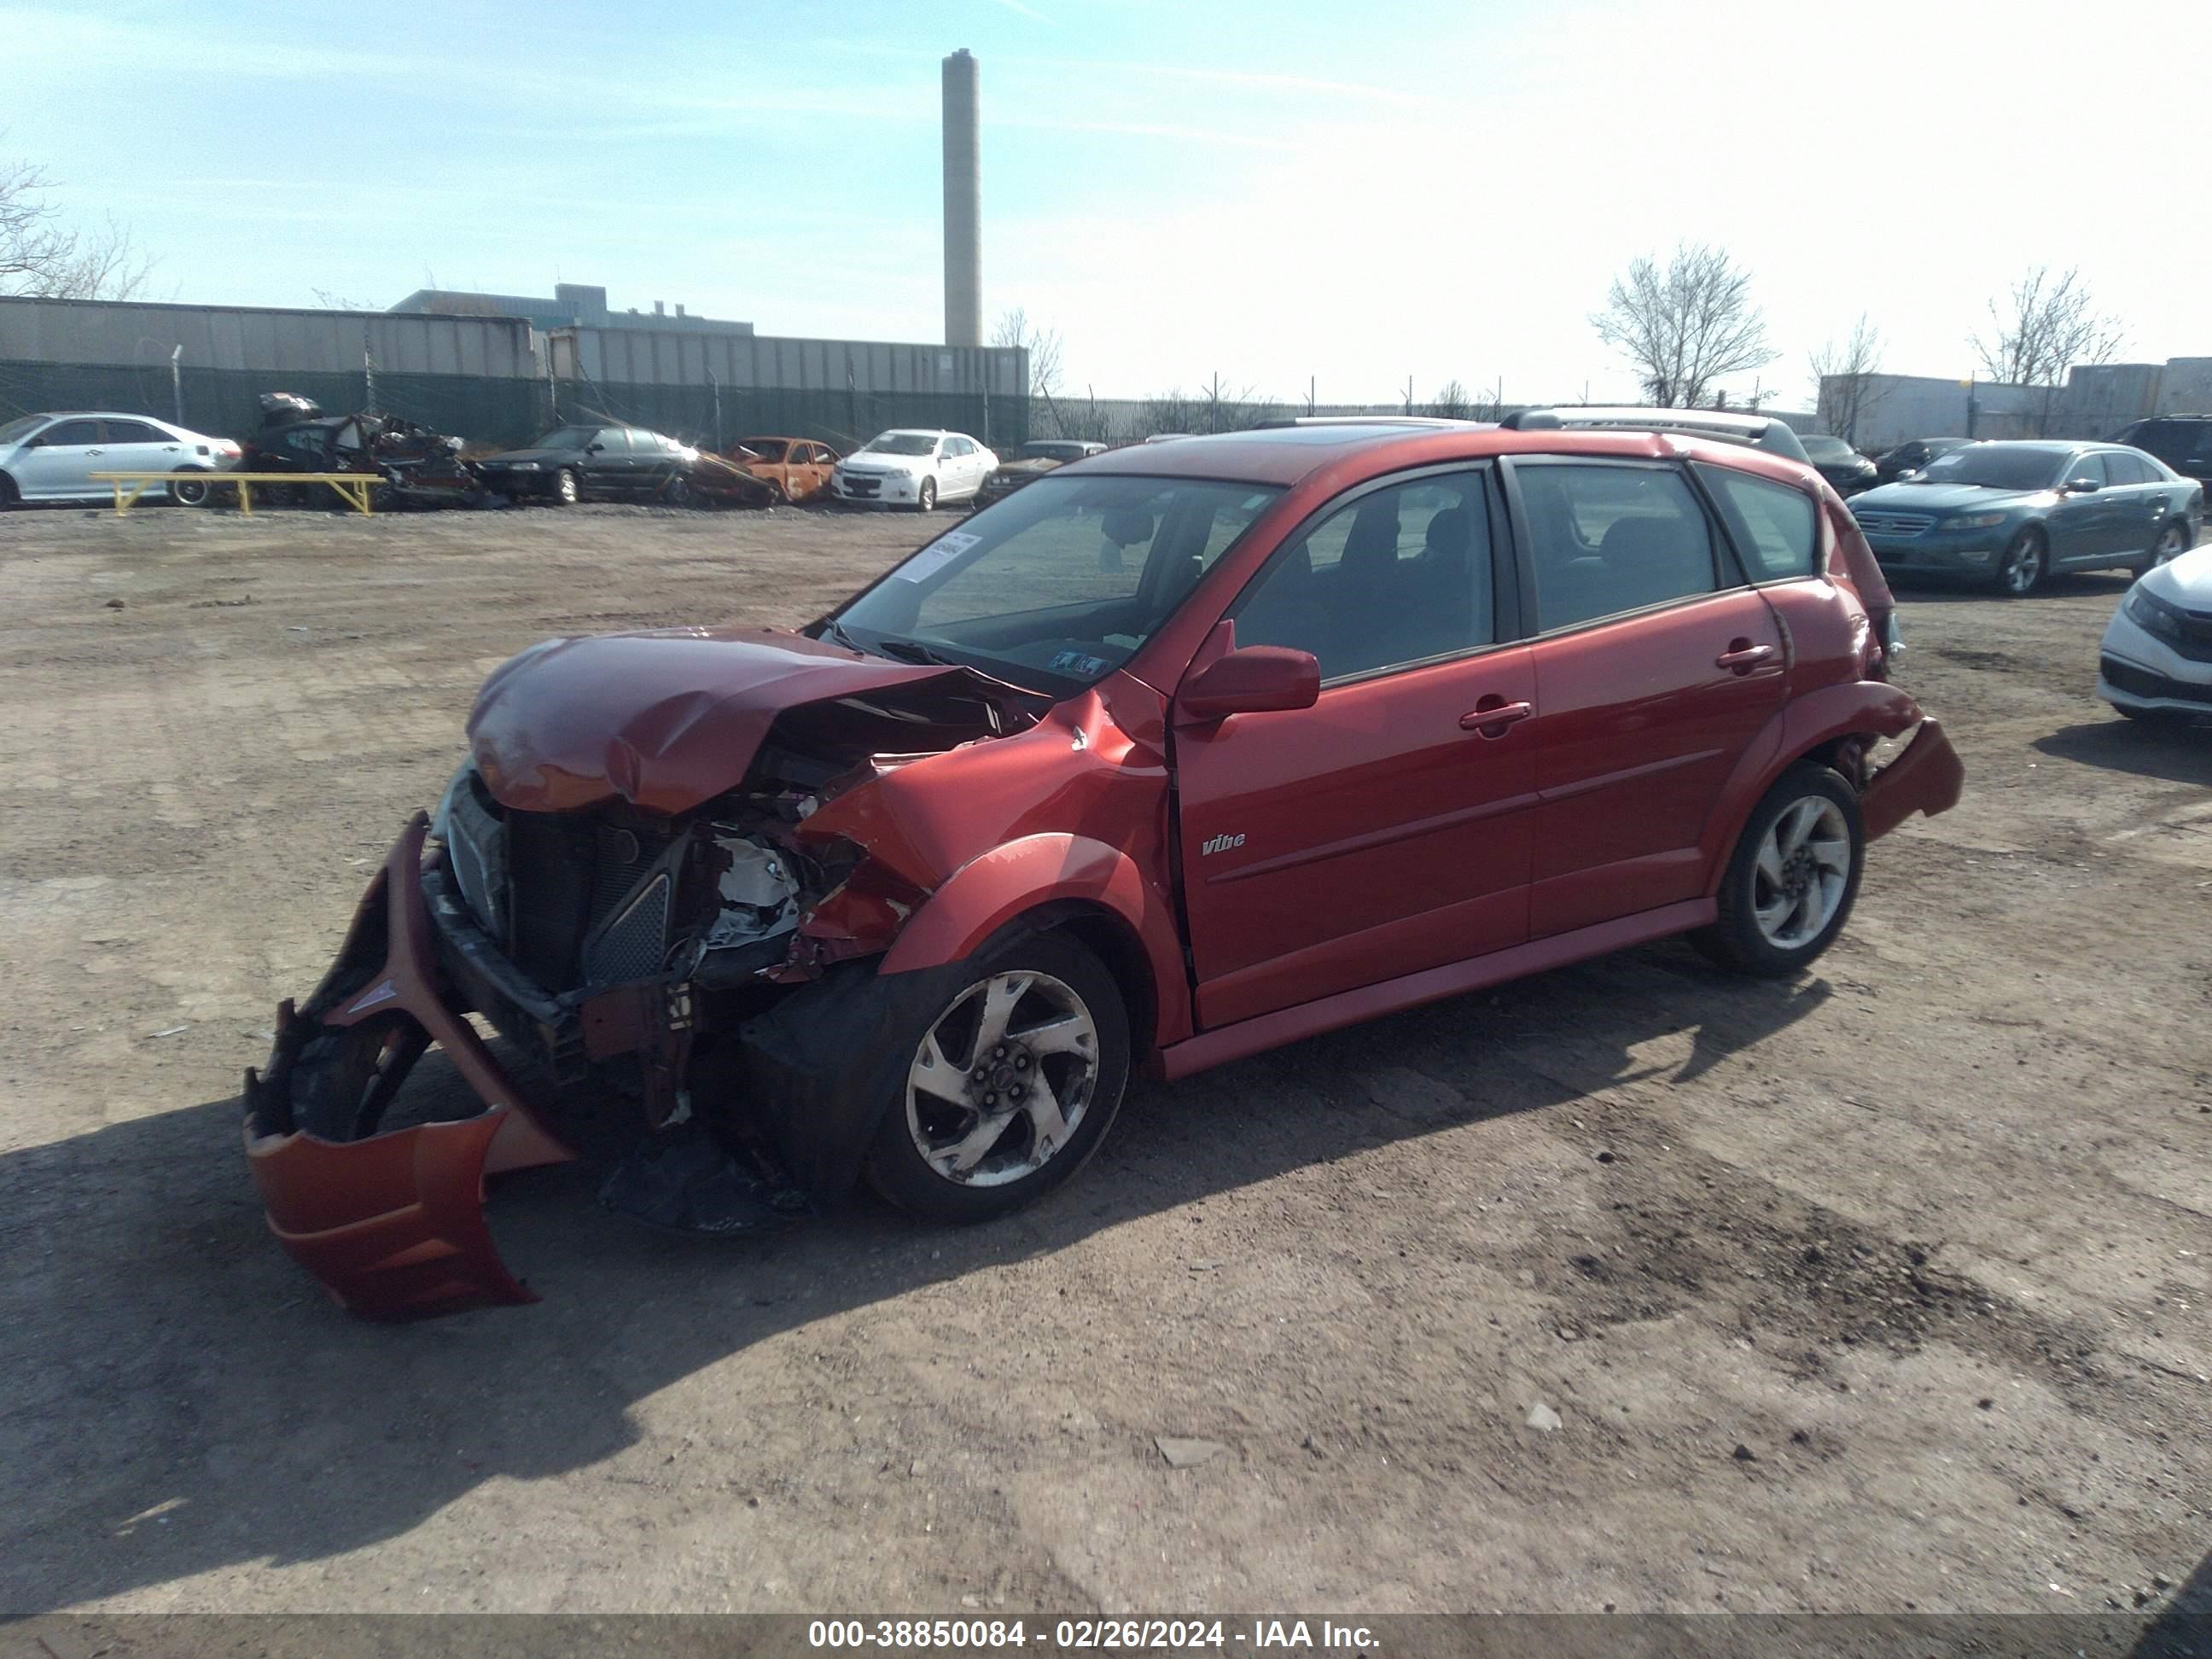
2096	401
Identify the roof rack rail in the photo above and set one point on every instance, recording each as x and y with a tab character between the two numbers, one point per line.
1768	432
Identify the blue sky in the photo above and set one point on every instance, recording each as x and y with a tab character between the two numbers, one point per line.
1268	192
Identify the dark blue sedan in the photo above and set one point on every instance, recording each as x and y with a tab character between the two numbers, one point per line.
2010	514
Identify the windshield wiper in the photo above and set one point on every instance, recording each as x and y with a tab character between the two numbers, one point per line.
833	630
914	650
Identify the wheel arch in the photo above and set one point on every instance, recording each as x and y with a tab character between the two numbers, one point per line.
1067	881
1836	724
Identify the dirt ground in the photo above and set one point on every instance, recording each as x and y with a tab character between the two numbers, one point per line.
1883	1290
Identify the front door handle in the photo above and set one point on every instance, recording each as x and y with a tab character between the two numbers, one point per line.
1742	657
1494	714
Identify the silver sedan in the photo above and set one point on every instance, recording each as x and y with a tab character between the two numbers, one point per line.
52	457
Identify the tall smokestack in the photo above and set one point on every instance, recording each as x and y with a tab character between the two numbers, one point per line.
964	217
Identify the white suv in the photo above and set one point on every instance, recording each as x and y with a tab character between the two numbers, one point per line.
913	467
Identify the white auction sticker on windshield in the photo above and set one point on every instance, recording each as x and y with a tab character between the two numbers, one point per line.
934	557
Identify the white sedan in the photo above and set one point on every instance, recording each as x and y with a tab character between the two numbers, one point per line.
2156	660
52	457
915	467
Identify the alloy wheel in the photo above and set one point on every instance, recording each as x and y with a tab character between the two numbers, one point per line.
2024	567
1002	1079
1801	873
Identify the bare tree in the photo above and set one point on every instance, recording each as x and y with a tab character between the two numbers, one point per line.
2048	325
1016	331
1451	401
42	257
1845	387
1685	326
1168	411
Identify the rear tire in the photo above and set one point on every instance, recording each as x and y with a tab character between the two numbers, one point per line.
189	491
1793	878
2026	563
2173	542
1060	1056
567	492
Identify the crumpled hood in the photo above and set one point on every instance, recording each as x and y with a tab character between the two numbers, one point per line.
664	719
1941	498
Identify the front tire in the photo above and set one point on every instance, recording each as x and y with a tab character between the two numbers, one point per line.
676	493
2026	563
1793	878
1013	1083
8	495
925	499
566	491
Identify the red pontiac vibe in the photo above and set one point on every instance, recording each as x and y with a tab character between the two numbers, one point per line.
1182	752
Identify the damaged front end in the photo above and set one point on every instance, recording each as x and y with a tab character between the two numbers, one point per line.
624	885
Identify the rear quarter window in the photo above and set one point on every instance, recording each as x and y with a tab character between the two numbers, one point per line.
1774	527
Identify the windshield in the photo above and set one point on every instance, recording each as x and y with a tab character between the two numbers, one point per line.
568	437
768	449
19	428
1996	466
1061	583
1829	449
900	443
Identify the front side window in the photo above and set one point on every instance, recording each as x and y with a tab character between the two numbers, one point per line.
1774	526
1060	584
1397	576
2088	469
1604	539
612	440
70	435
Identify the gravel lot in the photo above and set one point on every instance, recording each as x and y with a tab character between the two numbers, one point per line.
1884	1290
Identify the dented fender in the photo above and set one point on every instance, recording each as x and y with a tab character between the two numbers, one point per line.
1859	708
990	891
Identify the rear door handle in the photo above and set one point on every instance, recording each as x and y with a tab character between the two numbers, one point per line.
1491	717
1744	658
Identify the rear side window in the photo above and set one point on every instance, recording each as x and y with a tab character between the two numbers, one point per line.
132	432
1605	539
1774	526
2121	469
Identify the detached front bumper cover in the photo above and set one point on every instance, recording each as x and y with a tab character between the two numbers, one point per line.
392	1224
1927	776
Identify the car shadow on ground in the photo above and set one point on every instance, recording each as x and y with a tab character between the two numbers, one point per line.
2177	753
1927	590
2182	1629
182	1400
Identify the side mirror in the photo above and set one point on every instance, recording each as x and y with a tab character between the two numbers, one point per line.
1255	680
2080	487
594	449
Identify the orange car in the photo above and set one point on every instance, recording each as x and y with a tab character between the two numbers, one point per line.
798	468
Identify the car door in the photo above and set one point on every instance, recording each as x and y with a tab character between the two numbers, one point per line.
139	446
2139	500
606	461
1386	829
2080	525
1656	667
811	476
58	466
